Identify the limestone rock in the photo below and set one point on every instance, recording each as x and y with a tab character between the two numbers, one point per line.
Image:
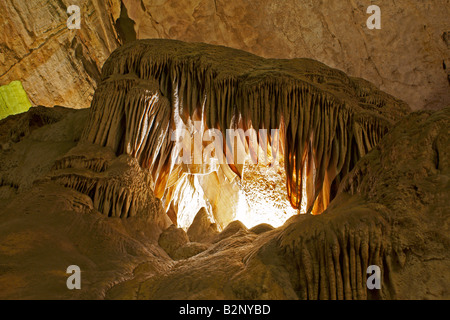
406	58
117	186
55	64
35	139
391	210
231	229
327	119
188	250
202	229
386	214
40	219
27	122
13	99
172	239
261	228
62	190
369	223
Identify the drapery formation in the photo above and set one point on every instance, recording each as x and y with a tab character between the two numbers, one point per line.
327	120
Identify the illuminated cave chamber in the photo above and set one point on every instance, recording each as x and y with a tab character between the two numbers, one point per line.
327	122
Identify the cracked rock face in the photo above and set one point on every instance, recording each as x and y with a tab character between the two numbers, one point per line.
57	66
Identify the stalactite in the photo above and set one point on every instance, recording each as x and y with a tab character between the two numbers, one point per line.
329	120
131	117
118	187
330	261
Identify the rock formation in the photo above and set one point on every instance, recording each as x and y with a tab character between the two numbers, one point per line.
202	229
327	119
408	57
388	212
37	48
83	186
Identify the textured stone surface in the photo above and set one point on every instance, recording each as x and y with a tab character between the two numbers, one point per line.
327	120
46	226
392	213
408	57
172	239
261	228
405	58
392	210
56	65
64	201
231	229
202	229
188	250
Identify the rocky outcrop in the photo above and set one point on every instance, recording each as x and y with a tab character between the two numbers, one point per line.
189	250
386	214
261	228
117	186
132	117
32	141
231	229
16	127
178	245
172	239
391	210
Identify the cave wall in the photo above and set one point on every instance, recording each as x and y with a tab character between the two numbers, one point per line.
407	58
56	65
